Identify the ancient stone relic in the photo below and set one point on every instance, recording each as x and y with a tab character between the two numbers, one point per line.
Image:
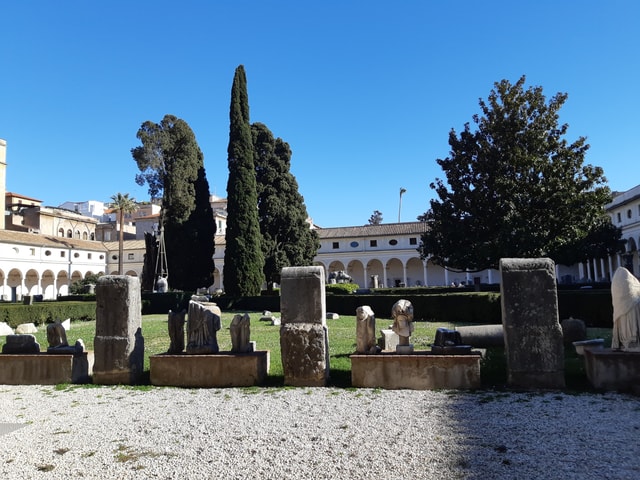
402	314
21	344
240	330
625	295
202	324
56	335
176	331
365	330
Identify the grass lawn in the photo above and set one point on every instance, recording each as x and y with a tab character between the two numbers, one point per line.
342	343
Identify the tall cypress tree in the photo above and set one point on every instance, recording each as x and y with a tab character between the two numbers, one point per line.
287	239
243	259
172	164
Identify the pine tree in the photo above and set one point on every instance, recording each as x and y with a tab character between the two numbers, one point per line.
173	165
243	259
287	239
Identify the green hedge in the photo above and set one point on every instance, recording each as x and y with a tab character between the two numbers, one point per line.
39	313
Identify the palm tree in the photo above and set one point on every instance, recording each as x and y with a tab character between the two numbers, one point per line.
123	204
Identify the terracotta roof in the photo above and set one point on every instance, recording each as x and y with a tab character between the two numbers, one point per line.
10	236
384	229
127	244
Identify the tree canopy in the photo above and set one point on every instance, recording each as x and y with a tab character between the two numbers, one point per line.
515	187
172	165
287	239
375	218
243	258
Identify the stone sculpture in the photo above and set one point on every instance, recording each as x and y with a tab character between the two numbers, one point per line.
240	334
202	324
162	286
21	344
56	335
176	331
365	330
625	295
402	314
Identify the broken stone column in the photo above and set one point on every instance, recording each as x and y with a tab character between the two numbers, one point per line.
118	344
532	333
304	340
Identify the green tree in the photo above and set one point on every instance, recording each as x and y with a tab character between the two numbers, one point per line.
123	204
287	237
172	165
243	258
376	218
517	187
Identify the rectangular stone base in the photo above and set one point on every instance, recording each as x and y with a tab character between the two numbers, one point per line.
420	371
45	369
223	369
612	369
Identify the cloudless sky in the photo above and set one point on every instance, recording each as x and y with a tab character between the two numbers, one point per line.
364	92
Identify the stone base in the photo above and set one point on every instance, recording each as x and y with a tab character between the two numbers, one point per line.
44	369
612	369
420	371
223	369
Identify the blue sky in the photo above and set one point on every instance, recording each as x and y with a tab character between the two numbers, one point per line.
365	92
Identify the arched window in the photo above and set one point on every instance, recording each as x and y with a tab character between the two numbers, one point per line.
69	234
85	236
78	234
61	232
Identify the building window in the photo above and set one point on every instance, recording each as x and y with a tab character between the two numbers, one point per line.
373	243
89	256
336	245
130	256
101	257
619	217
32	252
354	244
69	234
47	252
114	257
85	236
393	242
629	213
413	241
76	255
61	232
62	254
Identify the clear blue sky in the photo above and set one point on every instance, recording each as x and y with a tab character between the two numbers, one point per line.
365	92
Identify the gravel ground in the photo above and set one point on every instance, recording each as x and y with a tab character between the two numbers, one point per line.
315	433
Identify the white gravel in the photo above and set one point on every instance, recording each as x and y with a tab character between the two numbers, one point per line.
315	433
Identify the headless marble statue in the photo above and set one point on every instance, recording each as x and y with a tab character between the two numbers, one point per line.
625	295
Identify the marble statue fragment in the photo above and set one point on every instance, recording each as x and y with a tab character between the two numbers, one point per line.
365	330
203	322
240	334
402	314
625	295
176	331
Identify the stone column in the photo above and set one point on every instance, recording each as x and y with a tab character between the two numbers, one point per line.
304	340
118	344
532	333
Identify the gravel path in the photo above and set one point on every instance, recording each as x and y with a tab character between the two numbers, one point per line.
314	433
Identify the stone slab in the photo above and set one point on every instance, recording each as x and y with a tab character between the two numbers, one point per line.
420	371
224	369
609	369
44	369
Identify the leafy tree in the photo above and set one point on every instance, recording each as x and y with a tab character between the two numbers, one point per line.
172	165
243	258
517	187
123	204
376	218
287	239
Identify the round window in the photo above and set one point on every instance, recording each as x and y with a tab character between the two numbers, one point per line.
354	244
393	242
76	255
114	257
47	252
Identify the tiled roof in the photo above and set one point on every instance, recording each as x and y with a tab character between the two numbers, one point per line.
10	236
384	229
127	244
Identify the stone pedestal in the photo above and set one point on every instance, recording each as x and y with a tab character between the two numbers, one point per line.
420	371
533	338
304	340
118	344
612	369
45	369
224	369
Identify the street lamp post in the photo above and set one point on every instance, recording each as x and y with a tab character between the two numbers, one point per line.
402	190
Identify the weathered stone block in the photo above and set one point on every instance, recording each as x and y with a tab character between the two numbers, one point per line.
305	354
609	369
420	371
533	337
302	295
118	344
43	369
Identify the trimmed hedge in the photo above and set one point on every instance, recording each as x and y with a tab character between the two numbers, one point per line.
15	314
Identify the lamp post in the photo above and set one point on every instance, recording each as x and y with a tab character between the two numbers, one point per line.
402	190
